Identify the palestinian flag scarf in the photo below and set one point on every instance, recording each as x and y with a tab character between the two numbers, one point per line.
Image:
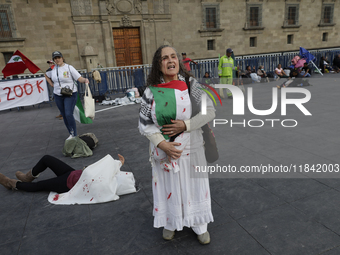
170	102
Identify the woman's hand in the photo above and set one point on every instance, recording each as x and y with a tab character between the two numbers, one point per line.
170	150
177	127
83	80
121	159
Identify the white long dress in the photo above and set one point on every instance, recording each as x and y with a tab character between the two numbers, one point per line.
181	197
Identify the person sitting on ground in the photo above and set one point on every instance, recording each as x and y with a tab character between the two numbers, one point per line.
336	63
322	64
294	79
328	65
207	78
262	73
305	71
280	73
249	71
245	75
66	178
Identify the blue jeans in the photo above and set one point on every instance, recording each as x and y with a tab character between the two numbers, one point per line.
66	107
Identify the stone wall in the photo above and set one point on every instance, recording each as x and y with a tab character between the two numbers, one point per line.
41	27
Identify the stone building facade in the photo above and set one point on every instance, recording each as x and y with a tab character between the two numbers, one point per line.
126	32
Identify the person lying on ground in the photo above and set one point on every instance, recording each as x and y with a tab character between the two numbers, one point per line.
66	178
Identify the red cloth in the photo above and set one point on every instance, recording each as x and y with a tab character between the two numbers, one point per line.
175	84
73	178
186	63
18	64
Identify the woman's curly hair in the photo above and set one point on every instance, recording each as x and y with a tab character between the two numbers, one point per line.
155	75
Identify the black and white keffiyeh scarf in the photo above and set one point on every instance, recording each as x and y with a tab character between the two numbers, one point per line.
146	126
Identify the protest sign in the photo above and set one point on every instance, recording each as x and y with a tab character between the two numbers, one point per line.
17	93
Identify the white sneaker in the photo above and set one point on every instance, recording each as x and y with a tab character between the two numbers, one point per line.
70	137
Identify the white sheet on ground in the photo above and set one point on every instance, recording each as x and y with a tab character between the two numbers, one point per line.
100	182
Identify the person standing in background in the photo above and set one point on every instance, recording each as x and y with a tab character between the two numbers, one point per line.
226	67
186	61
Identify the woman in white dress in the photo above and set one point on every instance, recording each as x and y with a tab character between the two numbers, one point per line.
170	119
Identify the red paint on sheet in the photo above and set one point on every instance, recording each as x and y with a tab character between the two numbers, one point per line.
56	197
206	194
172	164
166	104
93	180
166	165
184	110
157	152
156	209
166	170
182	98
91	199
169	195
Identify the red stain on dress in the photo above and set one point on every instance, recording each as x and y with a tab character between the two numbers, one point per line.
91	199
184	110
157	152
169	195
56	197
206	194
166	170
156	209
166	104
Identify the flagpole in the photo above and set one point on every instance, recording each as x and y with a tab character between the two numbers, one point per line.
316	67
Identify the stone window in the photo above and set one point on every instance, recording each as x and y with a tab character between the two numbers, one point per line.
210	44
253	42
290	39
254	17
7	56
7	24
292	15
210	20
327	14
211	16
5	28
324	37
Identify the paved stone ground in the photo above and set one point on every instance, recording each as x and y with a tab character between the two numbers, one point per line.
256	215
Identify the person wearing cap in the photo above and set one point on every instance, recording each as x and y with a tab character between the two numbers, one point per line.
186	61
225	71
64	75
